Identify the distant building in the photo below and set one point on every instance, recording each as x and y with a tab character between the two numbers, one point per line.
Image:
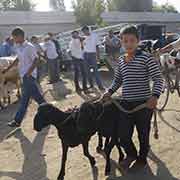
36	22
39	23
171	20
145	5
136	5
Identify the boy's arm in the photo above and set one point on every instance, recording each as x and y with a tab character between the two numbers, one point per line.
156	75
34	59
33	66
117	82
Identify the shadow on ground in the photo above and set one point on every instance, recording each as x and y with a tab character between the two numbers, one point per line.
34	165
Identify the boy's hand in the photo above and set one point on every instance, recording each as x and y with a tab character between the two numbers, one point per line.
152	102
106	97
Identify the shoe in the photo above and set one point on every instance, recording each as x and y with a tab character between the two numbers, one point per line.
138	166
14	124
126	163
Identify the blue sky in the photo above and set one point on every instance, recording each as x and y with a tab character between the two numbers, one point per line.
43	5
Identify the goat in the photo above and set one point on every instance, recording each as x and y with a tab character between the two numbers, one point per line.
70	129
106	125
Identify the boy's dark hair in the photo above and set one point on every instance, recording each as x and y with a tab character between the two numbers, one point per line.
18	32
50	34
130	30
75	32
85	28
34	37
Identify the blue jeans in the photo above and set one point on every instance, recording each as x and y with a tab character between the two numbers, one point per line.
90	60
29	90
53	70
79	67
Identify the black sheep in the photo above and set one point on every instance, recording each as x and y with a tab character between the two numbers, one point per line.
107	126
69	129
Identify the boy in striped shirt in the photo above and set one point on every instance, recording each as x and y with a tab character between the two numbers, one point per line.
134	72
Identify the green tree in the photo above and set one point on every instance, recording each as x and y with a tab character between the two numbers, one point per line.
89	11
116	5
16	5
164	8
57	4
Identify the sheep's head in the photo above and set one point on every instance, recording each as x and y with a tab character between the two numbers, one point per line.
88	116
44	116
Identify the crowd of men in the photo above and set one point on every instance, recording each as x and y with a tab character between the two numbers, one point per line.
83	49
135	69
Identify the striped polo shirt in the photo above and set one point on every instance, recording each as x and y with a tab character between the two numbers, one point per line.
135	77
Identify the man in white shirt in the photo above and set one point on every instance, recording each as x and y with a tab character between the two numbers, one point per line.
52	59
91	54
39	51
76	51
27	61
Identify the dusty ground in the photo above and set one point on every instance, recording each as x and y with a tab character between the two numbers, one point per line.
26	155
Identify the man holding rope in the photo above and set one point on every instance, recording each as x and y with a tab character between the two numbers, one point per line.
134	72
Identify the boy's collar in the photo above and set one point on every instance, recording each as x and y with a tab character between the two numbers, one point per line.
22	44
138	51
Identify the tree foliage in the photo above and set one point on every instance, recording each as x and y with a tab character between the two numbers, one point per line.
57	4
164	8
88	11
16	5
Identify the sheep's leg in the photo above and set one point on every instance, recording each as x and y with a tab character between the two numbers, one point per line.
4	100
18	94
63	163
87	154
5	93
1	104
107	151
100	143
121	154
9	98
18	89
106	142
